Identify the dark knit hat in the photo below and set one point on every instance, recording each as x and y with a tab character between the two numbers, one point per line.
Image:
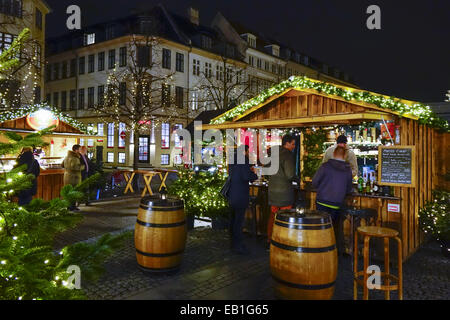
341	139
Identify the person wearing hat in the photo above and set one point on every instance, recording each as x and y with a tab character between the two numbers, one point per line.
350	157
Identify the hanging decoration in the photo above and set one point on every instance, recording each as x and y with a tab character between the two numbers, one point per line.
424	113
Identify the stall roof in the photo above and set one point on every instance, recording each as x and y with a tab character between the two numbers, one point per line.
365	105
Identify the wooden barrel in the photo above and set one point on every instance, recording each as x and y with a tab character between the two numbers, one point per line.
160	233
303	255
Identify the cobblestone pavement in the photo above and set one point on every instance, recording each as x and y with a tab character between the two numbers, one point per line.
210	271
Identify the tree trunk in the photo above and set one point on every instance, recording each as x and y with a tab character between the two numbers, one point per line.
136	149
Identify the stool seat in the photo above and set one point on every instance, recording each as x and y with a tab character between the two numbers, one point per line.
379	232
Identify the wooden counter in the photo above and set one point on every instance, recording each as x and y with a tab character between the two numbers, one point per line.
49	184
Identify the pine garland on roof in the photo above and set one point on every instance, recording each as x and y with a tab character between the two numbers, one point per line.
424	113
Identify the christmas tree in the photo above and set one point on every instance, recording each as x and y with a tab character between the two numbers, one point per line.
29	266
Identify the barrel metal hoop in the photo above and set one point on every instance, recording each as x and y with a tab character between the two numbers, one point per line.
159	255
142	206
303	227
159	225
303	249
303	220
305	286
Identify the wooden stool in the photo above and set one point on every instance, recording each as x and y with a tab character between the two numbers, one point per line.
360	277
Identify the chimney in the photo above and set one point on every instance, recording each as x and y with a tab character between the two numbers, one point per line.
193	16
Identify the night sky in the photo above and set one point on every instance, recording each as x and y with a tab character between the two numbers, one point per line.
408	58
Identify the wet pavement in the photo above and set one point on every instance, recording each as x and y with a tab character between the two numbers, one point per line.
211	271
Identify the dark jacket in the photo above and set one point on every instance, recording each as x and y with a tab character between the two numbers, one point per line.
85	172
333	182
33	168
239	191
281	192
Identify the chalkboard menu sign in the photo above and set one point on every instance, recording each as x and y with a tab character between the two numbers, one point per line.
397	166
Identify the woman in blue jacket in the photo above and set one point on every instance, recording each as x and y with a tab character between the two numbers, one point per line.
241	174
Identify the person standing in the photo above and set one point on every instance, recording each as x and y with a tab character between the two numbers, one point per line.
26	157
239	193
333	181
72	169
85	173
281	192
350	157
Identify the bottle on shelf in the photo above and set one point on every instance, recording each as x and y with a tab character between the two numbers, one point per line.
360	184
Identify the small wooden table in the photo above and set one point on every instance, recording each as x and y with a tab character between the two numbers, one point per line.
148	176
163	178
129	176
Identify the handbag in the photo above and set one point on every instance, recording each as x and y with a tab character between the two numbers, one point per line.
226	188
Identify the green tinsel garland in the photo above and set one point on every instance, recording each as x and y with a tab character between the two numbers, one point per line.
25	110
424	113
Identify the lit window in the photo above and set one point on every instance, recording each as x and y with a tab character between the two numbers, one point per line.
110	143
122	135
165	159
110	157
90	142
89	38
81	142
121	157
143	149
177	159
100	129
177	137
165	136
152	137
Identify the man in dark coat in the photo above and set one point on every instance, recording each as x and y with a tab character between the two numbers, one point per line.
241	174
32	167
86	172
333	181
281	192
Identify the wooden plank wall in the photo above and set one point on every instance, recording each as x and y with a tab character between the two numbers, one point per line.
441	157
49	186
423	137
302	106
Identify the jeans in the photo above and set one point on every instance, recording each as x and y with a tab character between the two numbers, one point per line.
337	225
236	225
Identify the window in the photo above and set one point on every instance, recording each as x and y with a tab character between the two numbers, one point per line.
274	68
91	92
121	132
121	158
48	71
11	7
144	149
65	74
165	95
306	60
63	100
123	56
6	40
101	61
196	67
165	159
195	98
165	136
89	38
110	157
39	57
110	32
55	99
177	159
266	65
208	70
179	97
251	61
166	58
110	142
81	99
73	99
81	142
100	95
112	59
90	143
206	42
73	67
100	129
152	137
143	56
219	73
180	62
38	18
55	71
91	63
259	63
252	42
123	93
81	65
177	137
37	94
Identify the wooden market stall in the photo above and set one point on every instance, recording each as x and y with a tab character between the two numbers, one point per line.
305	103
60	140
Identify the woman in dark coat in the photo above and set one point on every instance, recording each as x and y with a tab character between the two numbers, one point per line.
32	167
241	175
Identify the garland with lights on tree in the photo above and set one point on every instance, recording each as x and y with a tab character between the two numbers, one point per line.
200	192
29	266
424	113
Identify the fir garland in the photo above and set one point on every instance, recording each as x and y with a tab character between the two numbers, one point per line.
25	110
424	113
